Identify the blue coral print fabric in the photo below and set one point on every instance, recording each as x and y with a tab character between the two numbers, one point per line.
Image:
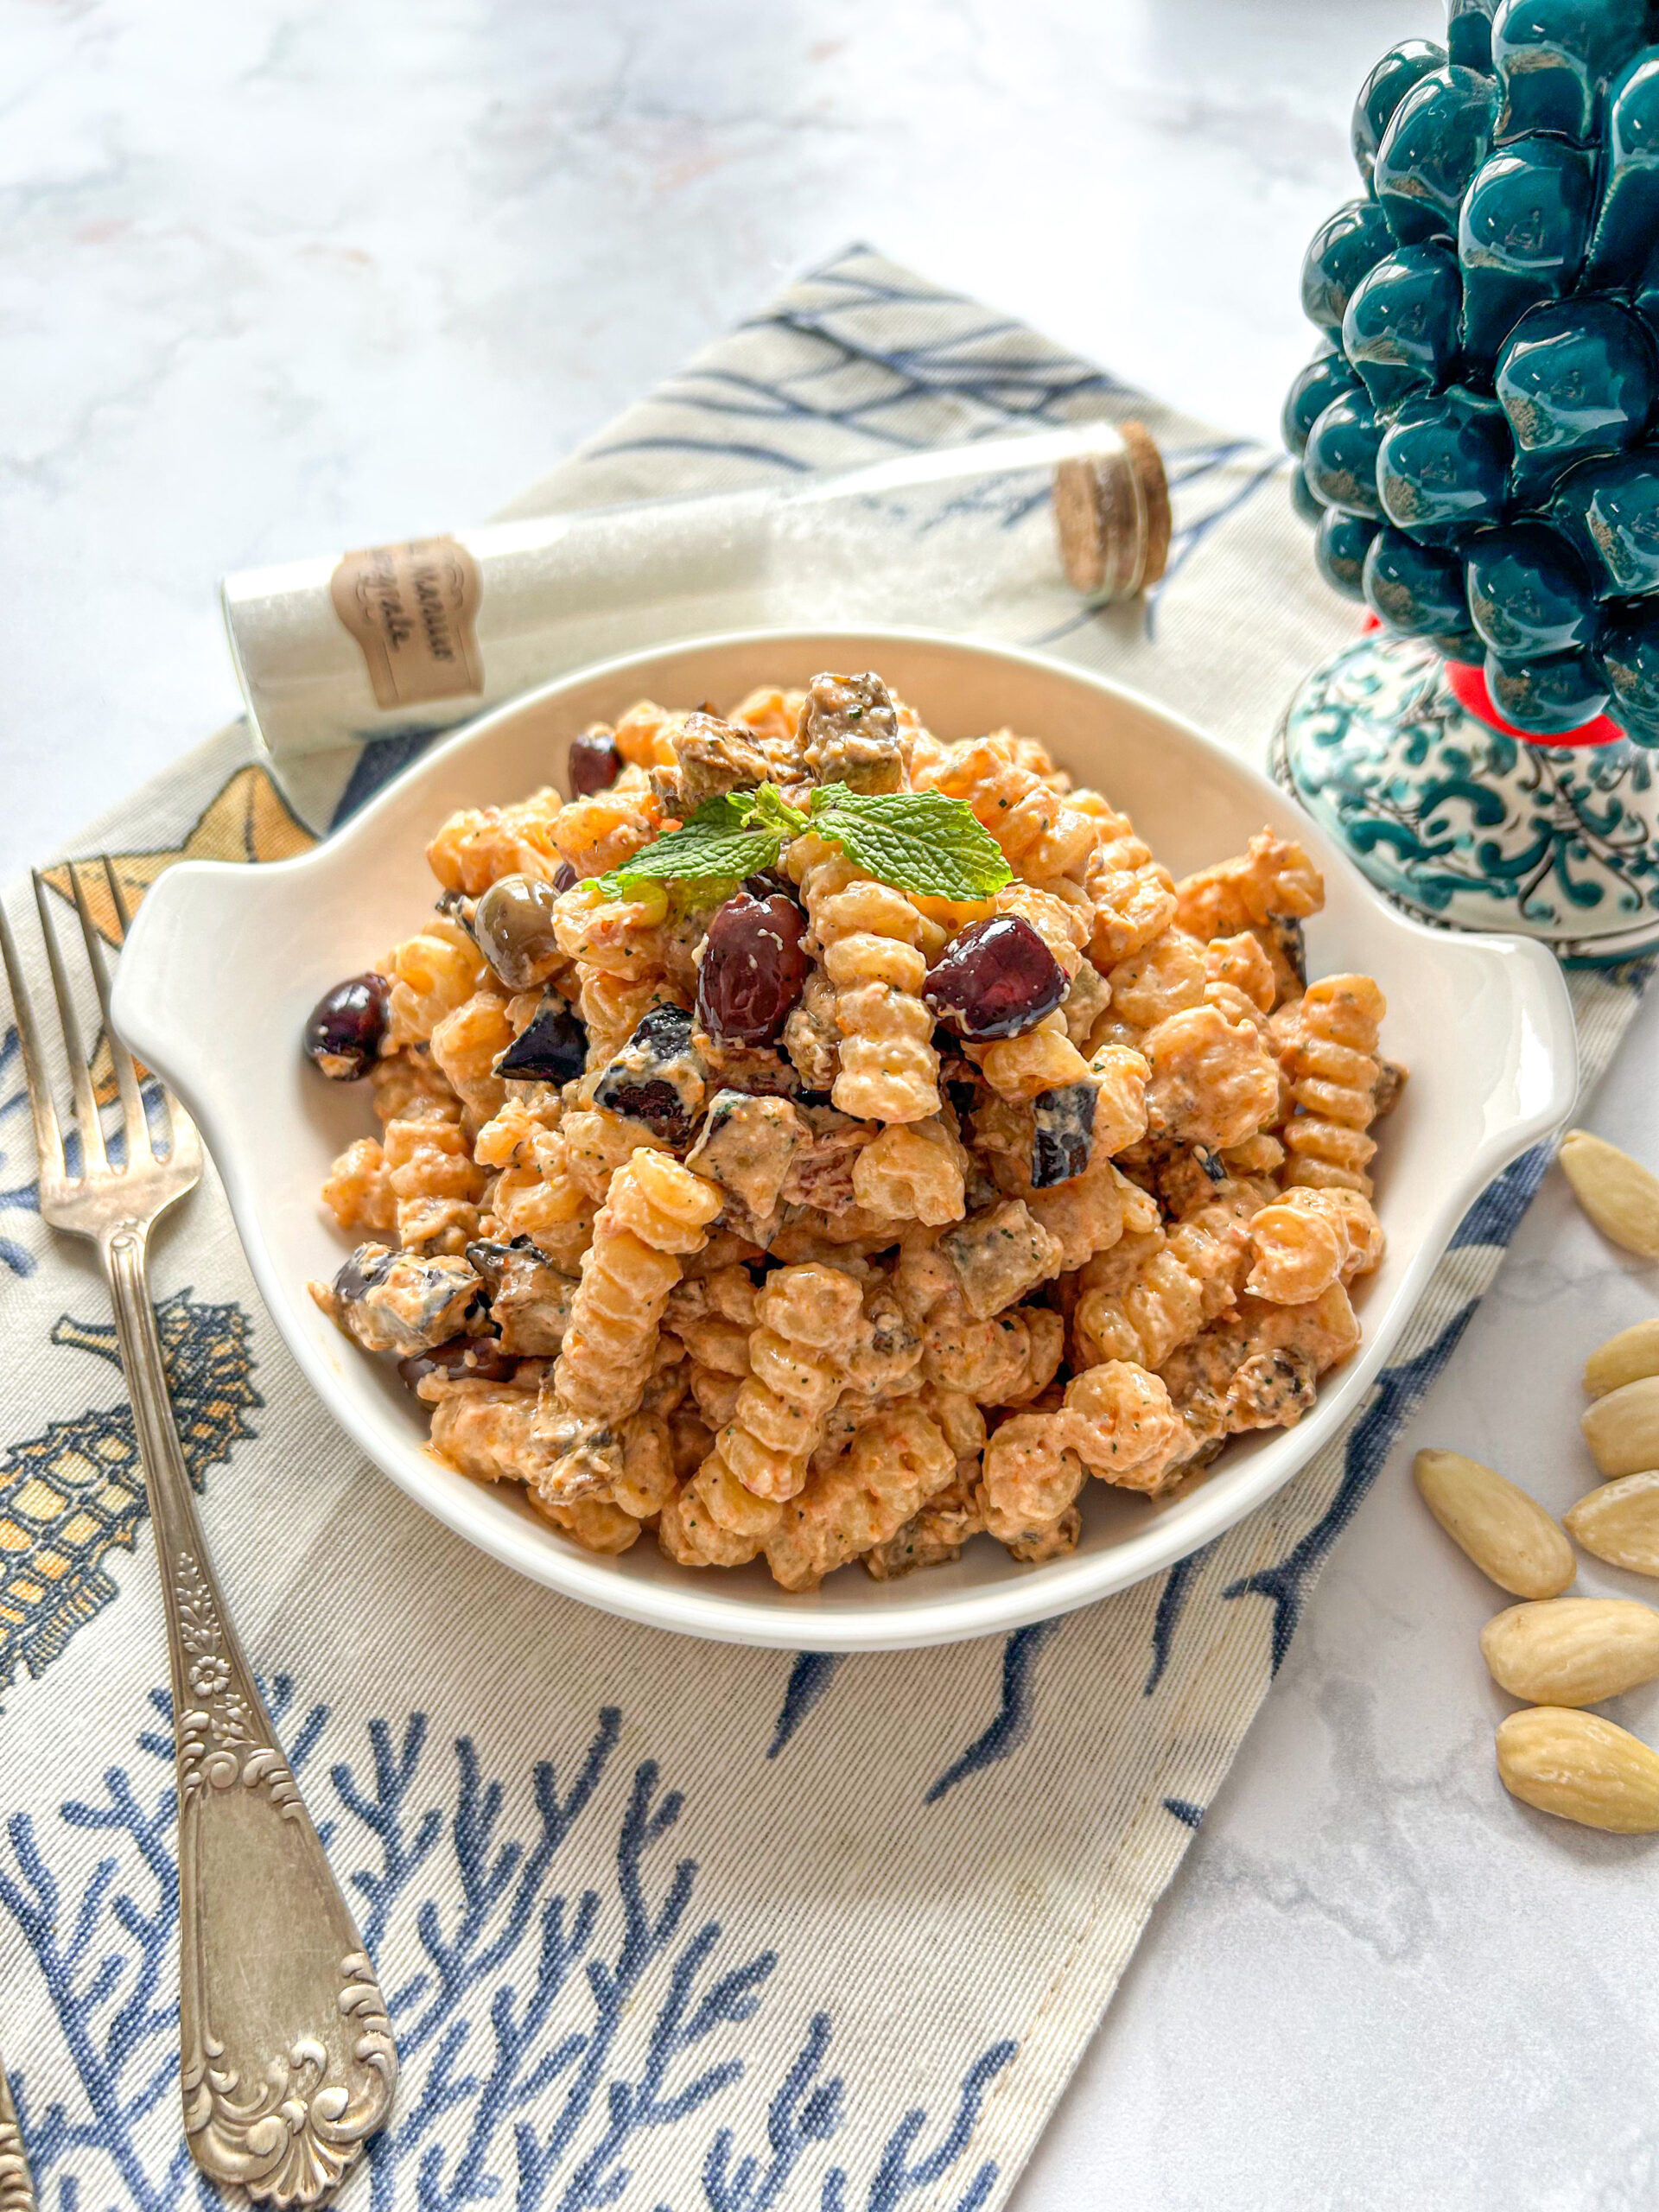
672	1927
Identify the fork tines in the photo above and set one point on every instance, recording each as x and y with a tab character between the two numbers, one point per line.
48	1132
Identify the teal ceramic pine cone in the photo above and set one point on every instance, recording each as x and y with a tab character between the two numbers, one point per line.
1478	433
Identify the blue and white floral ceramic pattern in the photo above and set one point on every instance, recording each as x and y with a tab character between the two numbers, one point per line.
1468	826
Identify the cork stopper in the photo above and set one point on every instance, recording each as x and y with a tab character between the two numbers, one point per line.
1111	514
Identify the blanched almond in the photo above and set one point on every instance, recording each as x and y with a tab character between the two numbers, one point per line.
1508	1534
1626	1357
1622	1429
1580	1767
1618	1193
1571	1651
1619	1522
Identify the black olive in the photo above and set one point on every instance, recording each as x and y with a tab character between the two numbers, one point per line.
343	1035
513	925
553	1049
995	978
564	876
1065	1138
595	763
754	965
480	1357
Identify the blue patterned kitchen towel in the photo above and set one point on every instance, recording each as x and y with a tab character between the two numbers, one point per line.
660	1924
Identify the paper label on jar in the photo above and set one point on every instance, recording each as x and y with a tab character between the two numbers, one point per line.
411	608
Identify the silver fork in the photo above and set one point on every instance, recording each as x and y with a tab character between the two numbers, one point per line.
17	2189
287	2062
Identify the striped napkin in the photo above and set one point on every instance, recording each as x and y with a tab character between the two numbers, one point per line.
660	1924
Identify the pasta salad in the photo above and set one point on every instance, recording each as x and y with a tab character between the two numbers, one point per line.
810	1141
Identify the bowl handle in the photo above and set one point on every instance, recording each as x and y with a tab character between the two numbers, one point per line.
184	941
1546	1059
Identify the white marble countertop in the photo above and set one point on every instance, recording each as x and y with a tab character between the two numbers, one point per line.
328	275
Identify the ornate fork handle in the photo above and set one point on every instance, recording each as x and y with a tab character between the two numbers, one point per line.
17	2189
288	2062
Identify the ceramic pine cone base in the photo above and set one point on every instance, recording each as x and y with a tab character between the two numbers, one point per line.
1464	825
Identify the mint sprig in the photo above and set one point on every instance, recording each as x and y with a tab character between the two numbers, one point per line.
919	841
718	840
915	841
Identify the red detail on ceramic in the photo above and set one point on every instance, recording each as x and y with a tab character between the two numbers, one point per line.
1468	685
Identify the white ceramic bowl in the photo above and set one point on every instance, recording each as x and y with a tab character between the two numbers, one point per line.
224	962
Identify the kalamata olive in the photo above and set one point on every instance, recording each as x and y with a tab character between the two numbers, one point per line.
995	978
480	1357
1063	1137
753	967
342	1037
564	876
553	1049
657	1078
594	764
513	925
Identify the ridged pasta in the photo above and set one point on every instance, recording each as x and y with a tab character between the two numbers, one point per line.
714	1316
866	936
1043	834
357	1189
1273	878
489	1433
434	1184
1116	1421
807	1322
1308	1239
597	834
656	1212
476	846
1044	1059
1194	1275
1130	906
1239	962
1328	1040
894	1464
612	1007
1258	1370
1089	1214
539	1198
466	1045
622	937
431	973
1213	1082
1164	977
643	736
914	1171
1064	925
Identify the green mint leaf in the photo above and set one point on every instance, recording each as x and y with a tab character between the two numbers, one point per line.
916	840
716	841
770	808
